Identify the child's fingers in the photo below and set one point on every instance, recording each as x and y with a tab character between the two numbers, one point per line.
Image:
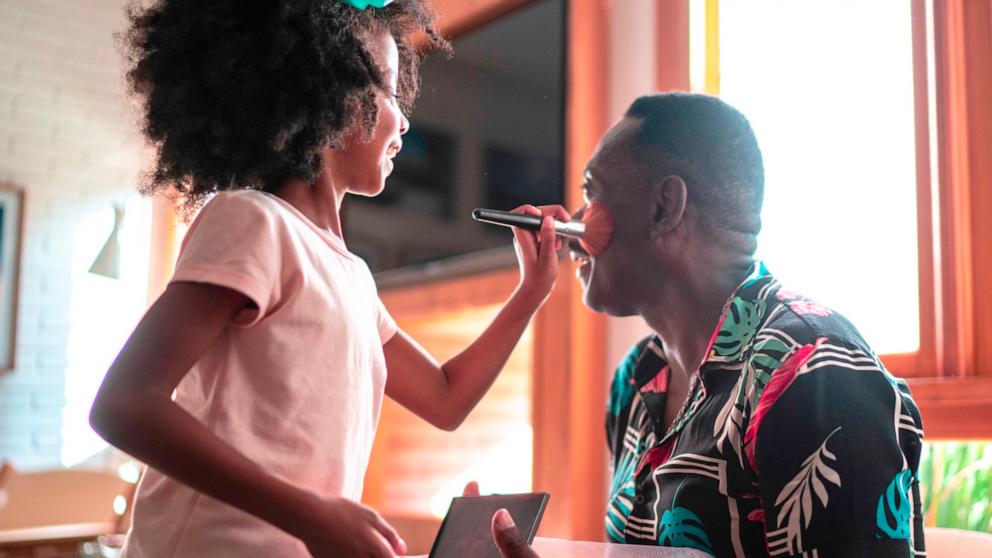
559	213
556	211
527	209
549	245
380	547
526	242
392	537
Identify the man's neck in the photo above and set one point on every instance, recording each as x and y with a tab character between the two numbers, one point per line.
684	315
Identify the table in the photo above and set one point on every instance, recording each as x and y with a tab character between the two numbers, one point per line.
558	548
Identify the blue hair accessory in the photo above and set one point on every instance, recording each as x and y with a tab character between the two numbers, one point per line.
362	4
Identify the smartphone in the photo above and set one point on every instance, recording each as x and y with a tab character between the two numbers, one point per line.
466	529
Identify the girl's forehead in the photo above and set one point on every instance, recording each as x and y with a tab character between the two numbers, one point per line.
384	48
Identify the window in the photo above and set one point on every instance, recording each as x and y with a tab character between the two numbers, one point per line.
835	119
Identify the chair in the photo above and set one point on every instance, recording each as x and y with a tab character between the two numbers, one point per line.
59	507
957	543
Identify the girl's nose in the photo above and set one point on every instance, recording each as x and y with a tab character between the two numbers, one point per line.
404	124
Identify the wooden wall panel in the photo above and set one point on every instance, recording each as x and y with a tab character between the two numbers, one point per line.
586	121
672	45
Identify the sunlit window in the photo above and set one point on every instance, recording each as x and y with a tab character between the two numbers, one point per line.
828	88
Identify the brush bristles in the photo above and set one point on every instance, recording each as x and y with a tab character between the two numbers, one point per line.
599	228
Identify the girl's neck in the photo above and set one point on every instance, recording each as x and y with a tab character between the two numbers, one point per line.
320	202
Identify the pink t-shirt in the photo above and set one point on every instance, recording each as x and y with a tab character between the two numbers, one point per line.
296	386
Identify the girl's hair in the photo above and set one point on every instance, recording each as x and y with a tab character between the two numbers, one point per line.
246	93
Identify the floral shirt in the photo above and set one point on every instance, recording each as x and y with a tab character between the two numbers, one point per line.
794	440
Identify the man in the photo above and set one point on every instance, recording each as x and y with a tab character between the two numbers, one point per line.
754	421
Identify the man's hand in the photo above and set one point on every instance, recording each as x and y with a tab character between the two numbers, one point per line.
505	534
508	539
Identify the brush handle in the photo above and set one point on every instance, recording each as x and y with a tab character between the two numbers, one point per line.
572	228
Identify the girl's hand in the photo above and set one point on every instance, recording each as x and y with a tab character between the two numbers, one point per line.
339	527
537	252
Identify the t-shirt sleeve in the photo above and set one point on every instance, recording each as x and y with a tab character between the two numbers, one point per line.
835	444
384	320
234	243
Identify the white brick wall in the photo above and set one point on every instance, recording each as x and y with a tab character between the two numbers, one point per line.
67	138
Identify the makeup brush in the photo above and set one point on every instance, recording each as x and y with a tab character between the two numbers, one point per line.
593	231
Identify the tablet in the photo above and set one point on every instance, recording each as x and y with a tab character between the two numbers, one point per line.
466	529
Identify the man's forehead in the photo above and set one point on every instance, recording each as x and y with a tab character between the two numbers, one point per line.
616	148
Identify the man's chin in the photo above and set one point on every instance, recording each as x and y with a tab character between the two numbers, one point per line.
592	299
595	300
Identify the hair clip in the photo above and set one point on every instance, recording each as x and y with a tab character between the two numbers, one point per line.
362	4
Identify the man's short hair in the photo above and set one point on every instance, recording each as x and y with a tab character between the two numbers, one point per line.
711	145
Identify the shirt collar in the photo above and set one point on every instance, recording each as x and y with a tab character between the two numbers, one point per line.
742	315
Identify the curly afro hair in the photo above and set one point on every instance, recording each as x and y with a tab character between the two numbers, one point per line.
246	93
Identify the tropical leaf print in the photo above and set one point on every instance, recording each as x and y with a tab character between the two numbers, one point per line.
739	327
768	355
624	471
620	508
770	352
622	487
727	427
683	529
796	496
622	389
895	504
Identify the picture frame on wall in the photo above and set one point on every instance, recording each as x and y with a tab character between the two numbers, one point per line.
11	223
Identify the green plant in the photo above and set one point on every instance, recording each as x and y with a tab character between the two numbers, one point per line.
956	485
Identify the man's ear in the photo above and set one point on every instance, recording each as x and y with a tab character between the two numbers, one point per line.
670	198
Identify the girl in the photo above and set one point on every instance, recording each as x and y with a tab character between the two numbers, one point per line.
252	386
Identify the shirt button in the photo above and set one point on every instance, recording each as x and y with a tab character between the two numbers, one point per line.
639	499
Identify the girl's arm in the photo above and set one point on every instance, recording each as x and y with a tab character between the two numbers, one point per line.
445	394
135	412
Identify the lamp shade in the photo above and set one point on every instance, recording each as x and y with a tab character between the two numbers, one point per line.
108	261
